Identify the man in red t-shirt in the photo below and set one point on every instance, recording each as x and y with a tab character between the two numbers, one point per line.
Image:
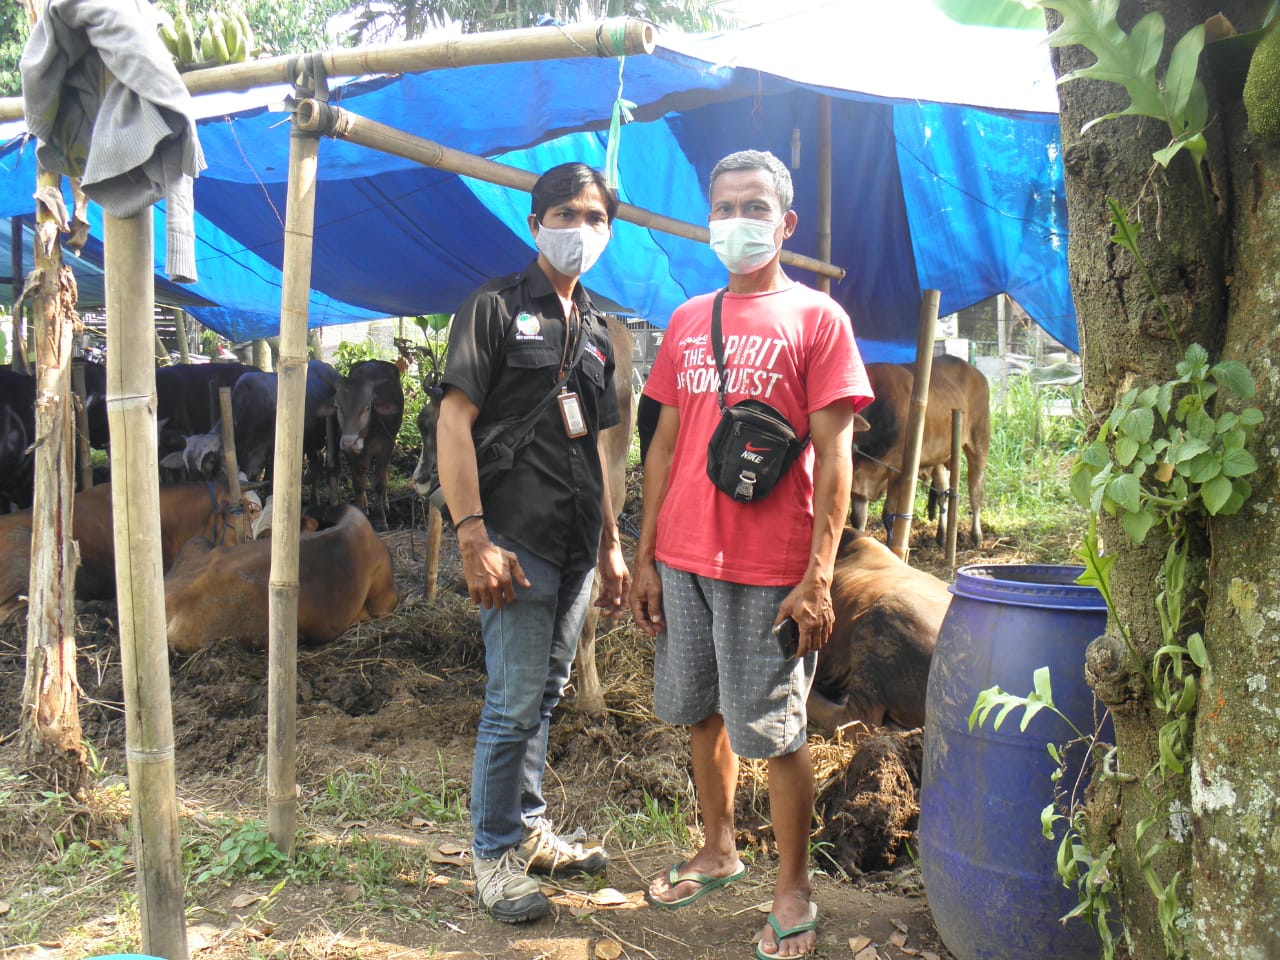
715	575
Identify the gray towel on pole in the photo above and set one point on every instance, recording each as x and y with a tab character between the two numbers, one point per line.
130	144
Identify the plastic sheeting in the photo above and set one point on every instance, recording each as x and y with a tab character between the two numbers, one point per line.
945	176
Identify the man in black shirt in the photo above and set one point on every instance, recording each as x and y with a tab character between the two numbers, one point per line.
530	536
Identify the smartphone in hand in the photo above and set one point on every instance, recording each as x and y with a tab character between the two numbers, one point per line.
788	635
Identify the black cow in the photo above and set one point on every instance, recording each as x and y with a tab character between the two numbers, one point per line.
17	431
253	416
95	401
369	403
187	394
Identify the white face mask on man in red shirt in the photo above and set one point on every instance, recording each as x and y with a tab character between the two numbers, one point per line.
743	245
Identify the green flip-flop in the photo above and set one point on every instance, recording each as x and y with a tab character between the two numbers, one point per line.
779	934
705	885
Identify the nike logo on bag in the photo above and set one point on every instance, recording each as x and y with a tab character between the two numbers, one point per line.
752	449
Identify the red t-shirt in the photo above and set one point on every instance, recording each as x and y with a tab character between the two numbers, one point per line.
792	349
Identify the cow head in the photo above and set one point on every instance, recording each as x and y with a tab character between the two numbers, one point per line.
200	455
428	416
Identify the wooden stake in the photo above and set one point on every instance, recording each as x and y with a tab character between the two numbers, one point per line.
230	464
431	565
915	424
282	622
82	426
17	338
144	653
314	116
953	486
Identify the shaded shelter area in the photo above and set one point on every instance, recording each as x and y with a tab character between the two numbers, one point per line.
944	176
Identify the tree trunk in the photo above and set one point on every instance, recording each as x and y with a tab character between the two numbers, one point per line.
49	736
1212	264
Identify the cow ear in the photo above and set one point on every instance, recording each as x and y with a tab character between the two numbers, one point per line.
326	408
174	461
386	408
860	424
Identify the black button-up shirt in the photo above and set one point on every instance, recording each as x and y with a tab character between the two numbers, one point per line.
506	346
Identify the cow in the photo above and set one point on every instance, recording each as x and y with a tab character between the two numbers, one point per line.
875	667
345	577
186	511
616	442
17	432
369	404
878	453
187	393
253	420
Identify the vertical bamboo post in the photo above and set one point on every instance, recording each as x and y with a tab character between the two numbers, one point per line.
824	188
49	735
180	332
144	654
230	463
431	565
953	487
82	426
904	508
282	804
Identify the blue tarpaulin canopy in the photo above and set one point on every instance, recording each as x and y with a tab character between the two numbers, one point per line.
946	173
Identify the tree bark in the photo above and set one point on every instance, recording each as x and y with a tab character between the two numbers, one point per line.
1212	264
49	735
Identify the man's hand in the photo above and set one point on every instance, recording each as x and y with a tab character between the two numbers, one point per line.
646	599
491	572
615	582
809	603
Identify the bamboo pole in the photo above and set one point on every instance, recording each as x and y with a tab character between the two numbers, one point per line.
616	37
230	463
824	188
901	540
180	331
49	738
144	654
315	116
282	805
953	487
82	426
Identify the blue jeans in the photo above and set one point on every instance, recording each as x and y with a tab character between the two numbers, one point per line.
529	648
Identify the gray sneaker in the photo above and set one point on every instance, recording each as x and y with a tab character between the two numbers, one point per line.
507	891
544	852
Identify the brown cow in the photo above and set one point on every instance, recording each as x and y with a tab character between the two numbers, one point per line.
887	616
344	573
186	510
616	442
878	453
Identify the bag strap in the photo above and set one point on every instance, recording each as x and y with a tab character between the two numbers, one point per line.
717	342
717	348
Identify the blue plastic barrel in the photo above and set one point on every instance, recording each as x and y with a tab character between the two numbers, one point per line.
989	874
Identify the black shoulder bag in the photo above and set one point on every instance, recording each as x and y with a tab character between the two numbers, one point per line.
498	443
754	444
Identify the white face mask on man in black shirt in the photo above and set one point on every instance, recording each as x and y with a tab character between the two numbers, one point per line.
571	250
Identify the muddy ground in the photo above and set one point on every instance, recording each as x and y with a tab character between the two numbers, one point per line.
400	698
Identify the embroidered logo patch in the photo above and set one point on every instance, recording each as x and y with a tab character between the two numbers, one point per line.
594	351
528	327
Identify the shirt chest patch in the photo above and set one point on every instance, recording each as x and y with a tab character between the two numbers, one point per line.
592	350
528	327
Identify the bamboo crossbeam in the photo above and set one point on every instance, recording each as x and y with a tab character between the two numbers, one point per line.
344	125
615	37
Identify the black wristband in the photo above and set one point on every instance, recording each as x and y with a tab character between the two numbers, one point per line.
469	516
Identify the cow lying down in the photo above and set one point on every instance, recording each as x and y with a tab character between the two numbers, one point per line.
887	615
186	510
344	573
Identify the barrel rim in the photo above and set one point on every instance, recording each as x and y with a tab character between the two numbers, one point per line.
1043	585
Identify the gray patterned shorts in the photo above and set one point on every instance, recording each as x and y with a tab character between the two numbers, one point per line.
717	655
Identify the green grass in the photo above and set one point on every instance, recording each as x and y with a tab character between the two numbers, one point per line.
653	824
382	792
